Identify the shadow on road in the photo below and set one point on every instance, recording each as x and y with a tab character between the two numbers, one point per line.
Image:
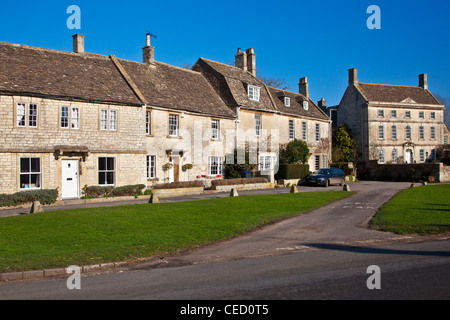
356	249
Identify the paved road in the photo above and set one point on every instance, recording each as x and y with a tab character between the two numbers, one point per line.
310	256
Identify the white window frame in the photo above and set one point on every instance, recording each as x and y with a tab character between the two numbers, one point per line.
266	162
258	124
408	133
29	173
324	161
394	156
421	133
317	162
393	113
305	105
253	92
75	118
21	114
151	166
33	116
433	133
148	122
287	101
380	132
382	156
173	125
421	115
107	170
408	114
104	119
215	127
113	120
394	132
64	117
215	166
317	132
380	113
422	155
291	129
433	115
304	130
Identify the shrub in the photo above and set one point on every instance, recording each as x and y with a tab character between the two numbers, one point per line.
292	171
227	182
44	196
109	191
180	184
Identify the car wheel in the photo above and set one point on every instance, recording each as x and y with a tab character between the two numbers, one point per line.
327	183
342	183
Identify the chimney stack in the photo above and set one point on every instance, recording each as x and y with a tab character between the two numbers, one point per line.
303	87
78	43
423	81
251	61
353	76
240	60
322	104
148	51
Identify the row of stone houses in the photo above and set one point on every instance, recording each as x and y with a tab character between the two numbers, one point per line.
70	119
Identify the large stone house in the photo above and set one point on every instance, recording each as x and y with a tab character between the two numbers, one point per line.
393	123
267	116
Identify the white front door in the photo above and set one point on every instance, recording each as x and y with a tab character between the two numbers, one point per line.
171	170
69	179
408	156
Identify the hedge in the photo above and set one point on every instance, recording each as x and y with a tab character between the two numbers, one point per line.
109	191
180	184
292	171
44	196
227	182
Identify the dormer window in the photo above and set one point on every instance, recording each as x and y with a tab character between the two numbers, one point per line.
305	105
253	92
287	101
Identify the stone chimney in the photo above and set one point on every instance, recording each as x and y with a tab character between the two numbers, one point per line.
423	81
148	51
353	76
240	60
251	61
78	43
303	87
322	104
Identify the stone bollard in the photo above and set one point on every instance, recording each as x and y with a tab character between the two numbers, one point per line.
153	199
36	207
233	193
424	183
412	185
346	187
294	189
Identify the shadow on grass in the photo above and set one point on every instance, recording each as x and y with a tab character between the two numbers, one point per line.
356	249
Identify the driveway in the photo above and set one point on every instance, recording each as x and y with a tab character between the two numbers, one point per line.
341	223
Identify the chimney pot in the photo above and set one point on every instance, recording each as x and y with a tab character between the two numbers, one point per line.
251	61
322	104
78	43
148	51
423	81
240	60
303	87
353	76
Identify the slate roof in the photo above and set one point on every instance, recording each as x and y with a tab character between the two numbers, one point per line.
91	77
44	72
231	83
177	88
396	94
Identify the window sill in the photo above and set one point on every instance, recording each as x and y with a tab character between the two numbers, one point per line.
174	137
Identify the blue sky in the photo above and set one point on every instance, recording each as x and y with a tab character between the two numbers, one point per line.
291	38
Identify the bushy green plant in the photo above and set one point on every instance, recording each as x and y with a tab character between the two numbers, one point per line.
44	196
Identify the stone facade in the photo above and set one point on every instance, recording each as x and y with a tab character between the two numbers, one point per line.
393	124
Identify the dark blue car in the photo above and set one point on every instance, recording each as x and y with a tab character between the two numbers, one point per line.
326	177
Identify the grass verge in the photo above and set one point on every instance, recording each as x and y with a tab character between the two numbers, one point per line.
422	210
96	235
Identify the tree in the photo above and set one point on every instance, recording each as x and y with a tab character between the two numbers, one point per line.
446	102
295	152
344	146
233	170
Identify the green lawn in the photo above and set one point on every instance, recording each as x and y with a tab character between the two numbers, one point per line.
421	210
95	235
